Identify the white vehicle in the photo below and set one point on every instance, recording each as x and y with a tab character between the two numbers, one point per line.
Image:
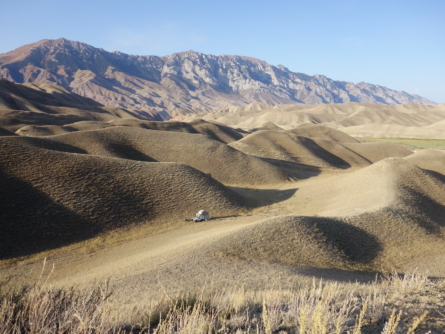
201	216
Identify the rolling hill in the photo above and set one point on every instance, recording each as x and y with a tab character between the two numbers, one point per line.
341	151
52	198
221	161
45	104
354	119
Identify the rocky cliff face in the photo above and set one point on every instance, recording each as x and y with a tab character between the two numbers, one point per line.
186	80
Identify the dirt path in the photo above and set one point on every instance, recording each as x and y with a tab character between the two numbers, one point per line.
153	253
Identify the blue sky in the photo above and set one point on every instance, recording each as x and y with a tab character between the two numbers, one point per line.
397	44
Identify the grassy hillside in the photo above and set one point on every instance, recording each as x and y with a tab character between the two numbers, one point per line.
55	198
417	143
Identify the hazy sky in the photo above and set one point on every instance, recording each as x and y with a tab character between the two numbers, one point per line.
398	44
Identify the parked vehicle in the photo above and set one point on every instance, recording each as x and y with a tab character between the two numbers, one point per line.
202	215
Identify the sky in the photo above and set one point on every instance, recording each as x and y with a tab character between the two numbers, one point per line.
397	44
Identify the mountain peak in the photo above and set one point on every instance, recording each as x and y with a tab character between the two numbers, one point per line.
185	80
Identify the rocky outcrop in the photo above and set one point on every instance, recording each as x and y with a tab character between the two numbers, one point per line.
181	81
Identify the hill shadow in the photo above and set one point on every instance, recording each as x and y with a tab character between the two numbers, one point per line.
433	222
324	154
22	118
337	275
356	244
47	144
32	222
294	169
128	152
261	197
55	98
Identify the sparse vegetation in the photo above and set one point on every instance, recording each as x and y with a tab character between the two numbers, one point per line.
108	199
390	304
417	143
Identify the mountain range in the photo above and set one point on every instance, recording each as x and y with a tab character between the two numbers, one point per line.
171	85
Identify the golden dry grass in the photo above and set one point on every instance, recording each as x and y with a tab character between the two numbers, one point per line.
354	119
268	126
222	162
341	151
319	131
219	132
214	131
417	143
357	209
391	304
53	198
51	130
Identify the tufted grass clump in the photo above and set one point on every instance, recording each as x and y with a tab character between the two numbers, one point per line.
390	304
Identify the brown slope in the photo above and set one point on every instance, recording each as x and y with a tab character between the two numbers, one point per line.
214	131
304	241
50	198
51	130
4	132
224	163
375	152
431	160
403	226
44	104
388	115
355	119
319	131
394	130
37	97
287	146
268	126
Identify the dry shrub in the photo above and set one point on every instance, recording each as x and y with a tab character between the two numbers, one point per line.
317	308
407	284
38	310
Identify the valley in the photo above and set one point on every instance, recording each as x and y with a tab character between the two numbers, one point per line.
104	198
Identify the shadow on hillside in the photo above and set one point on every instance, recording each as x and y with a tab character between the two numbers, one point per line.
356	245
16	119
435	174
47	144
32	222
294	169
324	154
128	152
433	213
261	197
56	99
343	276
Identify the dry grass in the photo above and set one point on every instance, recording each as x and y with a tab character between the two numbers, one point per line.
55	198
355	119
438	144
31	105
222	162
323	132
384	306
211	130
400	224
328	148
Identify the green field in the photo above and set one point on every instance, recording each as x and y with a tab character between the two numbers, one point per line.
438	144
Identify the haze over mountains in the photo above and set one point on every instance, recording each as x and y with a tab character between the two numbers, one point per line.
355	119
162	87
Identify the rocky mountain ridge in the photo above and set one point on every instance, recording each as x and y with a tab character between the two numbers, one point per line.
181	81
